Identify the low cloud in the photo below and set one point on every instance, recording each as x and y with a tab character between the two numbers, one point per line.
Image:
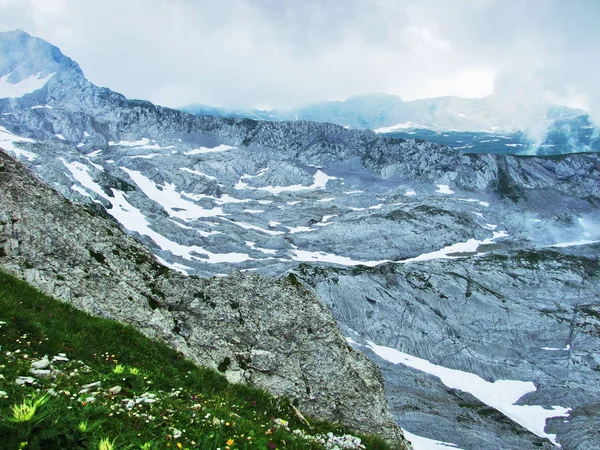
285	54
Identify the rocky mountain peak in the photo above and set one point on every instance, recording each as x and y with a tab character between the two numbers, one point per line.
24	58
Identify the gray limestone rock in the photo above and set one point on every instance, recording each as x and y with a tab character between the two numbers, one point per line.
496	316
41	373
43	363
25	380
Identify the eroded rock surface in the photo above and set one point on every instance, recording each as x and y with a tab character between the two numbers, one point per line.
531	316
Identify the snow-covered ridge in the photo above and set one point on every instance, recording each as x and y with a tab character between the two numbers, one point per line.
398	127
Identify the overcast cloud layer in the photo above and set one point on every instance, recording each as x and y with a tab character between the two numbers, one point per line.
277	53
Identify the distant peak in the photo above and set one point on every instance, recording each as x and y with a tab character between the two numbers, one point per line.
30	55
375	96
18	33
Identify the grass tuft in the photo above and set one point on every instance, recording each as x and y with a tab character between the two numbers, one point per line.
25	411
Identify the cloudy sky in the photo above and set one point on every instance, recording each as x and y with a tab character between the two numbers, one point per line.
285	53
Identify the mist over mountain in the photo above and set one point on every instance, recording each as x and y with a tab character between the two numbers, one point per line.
461	123
470	279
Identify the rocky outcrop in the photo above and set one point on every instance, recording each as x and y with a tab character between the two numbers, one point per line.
269	333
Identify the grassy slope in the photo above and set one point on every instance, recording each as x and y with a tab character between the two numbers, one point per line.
209	412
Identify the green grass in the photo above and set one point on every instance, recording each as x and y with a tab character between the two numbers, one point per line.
189	406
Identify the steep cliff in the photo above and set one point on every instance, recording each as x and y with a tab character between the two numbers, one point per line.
528	318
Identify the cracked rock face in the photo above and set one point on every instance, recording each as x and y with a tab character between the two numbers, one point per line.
269	333
496	316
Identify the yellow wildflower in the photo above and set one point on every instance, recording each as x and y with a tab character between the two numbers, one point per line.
230	442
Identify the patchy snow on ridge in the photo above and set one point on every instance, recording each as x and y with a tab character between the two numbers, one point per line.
267	251
308	256
399	126
134	220
223	199
500	394
200	174
489	226
247	226
469	246
7	140
171	200
574	243
148	156
320	180
555	349
448	252
143	141
23	87
203	150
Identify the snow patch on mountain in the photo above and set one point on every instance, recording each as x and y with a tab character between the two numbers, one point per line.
444	189
423	443
203	150
397	127
500	394
23	87
267	251
458	250
7	141
574	243
139	142
134	220
320	180
171	200
197	172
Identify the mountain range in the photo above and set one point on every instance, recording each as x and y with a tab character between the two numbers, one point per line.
470	279
482	125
